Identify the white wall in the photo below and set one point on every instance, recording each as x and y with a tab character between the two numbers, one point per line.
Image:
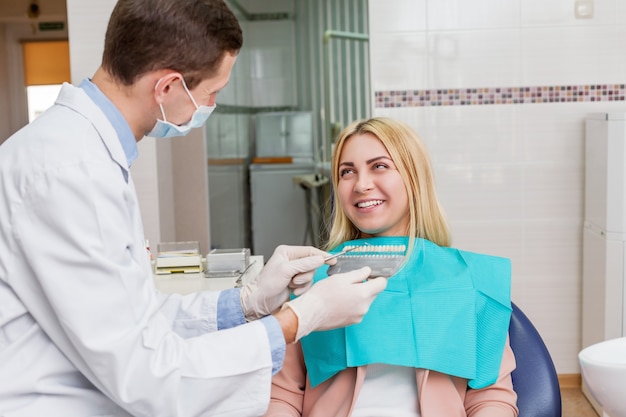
511	176
264	74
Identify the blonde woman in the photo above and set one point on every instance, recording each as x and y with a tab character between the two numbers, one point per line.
435	342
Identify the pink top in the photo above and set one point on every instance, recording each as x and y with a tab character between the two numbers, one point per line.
439	394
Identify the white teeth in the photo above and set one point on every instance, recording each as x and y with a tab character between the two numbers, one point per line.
370	203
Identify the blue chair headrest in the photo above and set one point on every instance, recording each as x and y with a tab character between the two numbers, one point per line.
535	379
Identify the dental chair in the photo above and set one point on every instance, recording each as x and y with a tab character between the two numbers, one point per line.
534	379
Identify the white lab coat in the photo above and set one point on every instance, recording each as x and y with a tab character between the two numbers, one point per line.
83	331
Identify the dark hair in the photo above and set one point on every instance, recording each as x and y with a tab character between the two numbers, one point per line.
188	36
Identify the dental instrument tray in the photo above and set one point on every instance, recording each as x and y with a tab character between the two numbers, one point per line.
178	257
384	260
227	262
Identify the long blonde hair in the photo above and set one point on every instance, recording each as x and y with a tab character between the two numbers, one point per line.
427	219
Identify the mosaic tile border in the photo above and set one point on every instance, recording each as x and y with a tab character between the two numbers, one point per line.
500	95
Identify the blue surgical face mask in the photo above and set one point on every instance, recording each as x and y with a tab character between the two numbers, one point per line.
165	129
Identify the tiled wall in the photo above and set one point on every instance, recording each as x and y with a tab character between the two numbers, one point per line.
500	95
264	75
510	171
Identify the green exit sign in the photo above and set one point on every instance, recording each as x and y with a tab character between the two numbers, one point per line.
50	26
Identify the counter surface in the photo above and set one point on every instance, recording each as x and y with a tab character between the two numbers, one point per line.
188	283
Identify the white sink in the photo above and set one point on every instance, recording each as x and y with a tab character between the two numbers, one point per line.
603	368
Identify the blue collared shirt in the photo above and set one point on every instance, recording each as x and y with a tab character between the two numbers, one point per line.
124	133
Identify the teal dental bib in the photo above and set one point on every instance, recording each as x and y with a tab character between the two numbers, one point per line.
446	310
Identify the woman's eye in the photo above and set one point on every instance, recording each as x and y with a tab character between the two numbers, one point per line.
345	171
380	165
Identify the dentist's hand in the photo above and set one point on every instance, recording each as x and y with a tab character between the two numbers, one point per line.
338	301
289	268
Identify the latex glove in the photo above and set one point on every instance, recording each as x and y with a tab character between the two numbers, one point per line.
337	301
289	268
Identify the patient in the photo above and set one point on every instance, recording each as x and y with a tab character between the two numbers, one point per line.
435	342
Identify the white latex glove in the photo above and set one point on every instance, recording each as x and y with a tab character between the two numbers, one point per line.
289	268
337	301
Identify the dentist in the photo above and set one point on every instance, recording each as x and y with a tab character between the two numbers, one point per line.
83	331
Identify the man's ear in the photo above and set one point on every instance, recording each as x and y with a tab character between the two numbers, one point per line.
164	85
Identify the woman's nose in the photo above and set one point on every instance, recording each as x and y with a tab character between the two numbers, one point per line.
363	184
